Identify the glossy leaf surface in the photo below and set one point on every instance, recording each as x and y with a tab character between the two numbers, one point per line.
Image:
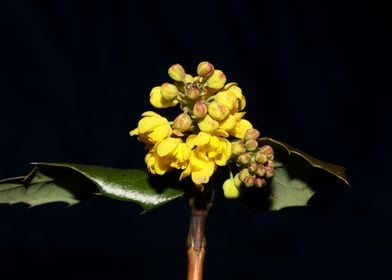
70	183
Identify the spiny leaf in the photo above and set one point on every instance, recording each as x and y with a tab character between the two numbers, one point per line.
37	188
70	183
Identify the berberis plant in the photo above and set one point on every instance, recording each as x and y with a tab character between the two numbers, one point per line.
209	147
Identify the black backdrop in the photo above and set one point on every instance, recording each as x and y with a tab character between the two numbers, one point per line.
75	76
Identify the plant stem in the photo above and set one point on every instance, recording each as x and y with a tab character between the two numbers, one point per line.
200	203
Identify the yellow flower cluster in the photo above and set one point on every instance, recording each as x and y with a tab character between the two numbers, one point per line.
197	140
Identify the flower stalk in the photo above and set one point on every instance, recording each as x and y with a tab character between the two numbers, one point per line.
200	203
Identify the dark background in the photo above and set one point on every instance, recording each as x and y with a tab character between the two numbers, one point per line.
75	77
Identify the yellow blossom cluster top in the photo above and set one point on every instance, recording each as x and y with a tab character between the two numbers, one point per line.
200	138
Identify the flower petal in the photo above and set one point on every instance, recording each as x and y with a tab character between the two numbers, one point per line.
167	146
228	123
202	138
208	124
240	128
203	175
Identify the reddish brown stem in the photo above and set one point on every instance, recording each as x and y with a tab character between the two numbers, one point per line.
200	203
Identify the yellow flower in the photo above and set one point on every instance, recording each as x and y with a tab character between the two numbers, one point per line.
158	100
155	163
167	154
176	150
231	96
234	88
240	128
228	123
152	128
208	151
208	124
227	98
216	81
196	142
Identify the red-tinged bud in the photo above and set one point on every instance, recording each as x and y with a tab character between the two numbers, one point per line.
249	181
205	69
192	93
244	158
261	157
237	148
251	145
260	171
200	109
260	182
252	168
176	72
252	134
217	111
243	174
269	171
183	122
268	151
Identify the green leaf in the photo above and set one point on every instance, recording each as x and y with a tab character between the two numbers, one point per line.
71	183
297	177
37	188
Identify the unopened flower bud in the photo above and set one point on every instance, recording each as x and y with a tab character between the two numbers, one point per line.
192	93
252	168
261	157
183	122
176	72
230	190
260	170
243	174
200	109
205	69
217	80
169	91
260	182
269	171
249	181
217	111
253	158
268	151
251	145
237	180
244	158
237	148
252	134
